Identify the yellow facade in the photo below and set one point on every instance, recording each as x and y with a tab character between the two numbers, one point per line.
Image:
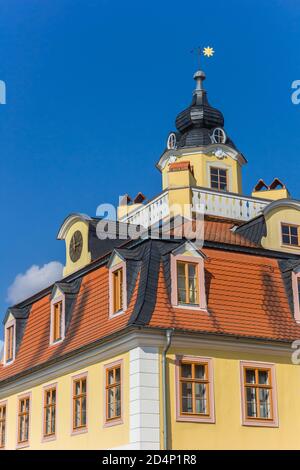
274	219
272	194
201	163
97	436
85	257
228	432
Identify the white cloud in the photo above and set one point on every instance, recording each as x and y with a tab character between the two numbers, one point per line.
33	280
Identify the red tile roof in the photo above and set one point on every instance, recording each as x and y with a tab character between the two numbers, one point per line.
246	297
89	322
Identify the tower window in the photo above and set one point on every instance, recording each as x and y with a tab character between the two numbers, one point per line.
171	143
187	283
218	179
290	235
218	136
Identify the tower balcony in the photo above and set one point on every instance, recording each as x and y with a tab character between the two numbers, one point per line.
215	203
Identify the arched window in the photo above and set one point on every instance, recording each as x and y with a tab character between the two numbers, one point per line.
171	142
218	136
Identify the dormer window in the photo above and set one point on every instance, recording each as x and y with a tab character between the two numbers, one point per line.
187	273
290	234
117	290
10	342
218	179
57	322
187	283
296	295
117	286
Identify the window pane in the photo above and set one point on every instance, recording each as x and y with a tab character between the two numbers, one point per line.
83	386
200	371
118	374
111	377
186	370
77	388
118	408
118	393
294	231
263	377
285	229
83	412
48	421
200	392
250	376
251	402
286	239
53	420
264	403
77	413
187	397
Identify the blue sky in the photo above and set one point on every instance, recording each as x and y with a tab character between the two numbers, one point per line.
93	88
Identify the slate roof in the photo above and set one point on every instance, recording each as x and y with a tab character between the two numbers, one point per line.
247	293
253	230
195	123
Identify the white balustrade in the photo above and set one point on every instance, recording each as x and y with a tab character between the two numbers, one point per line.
150	213
229	205
232	206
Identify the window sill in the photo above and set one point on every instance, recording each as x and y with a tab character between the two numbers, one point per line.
49	438
55	343
191	307
117	314
8	363
22	445
113	422
196	419
293	247
76	432
261	423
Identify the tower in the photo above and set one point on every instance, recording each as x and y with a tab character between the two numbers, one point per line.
201	141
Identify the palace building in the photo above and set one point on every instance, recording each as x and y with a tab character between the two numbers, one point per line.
154	342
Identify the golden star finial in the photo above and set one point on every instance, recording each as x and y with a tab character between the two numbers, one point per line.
208	51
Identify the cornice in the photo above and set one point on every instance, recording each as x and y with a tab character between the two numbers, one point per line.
131	338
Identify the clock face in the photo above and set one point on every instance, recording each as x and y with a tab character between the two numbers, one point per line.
75	248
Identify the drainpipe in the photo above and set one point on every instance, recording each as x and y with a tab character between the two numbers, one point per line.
164	386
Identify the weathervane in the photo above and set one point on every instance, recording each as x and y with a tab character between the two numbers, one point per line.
206	51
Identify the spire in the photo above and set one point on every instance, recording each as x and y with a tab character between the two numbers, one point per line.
199	124
199	77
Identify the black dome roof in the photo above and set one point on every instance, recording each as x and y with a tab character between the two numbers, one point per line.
195	124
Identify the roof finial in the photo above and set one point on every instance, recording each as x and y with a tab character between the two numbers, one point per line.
200	76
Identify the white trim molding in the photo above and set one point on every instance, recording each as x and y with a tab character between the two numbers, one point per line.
144	408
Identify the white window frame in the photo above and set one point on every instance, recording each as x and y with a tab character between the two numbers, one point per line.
9	324
56	300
